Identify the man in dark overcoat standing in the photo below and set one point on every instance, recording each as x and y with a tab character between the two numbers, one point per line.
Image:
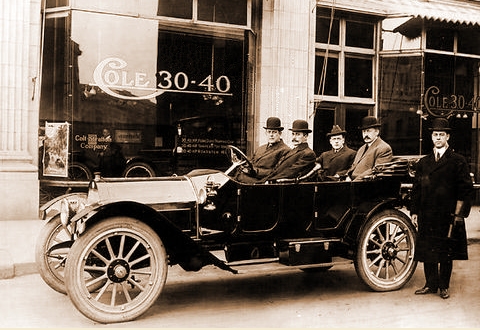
441	195
267	155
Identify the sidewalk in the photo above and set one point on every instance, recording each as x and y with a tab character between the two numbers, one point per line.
18	238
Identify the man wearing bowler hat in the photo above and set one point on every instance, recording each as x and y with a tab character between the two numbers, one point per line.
336	161
374	151
297	161
266	156
441	195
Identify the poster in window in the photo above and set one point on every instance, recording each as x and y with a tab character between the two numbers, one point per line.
55	152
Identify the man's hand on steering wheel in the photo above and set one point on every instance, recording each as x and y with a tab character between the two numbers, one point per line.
238	158
248	170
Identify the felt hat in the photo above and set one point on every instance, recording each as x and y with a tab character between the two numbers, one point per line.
274	123
440	124
336	130
369	121
300	125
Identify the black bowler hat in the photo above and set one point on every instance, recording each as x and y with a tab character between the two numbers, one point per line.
336	130
300	125
440	124
274	123
369	121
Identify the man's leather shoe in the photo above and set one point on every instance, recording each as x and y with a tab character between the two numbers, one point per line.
425	290
444	293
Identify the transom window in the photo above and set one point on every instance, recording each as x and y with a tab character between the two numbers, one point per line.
218	11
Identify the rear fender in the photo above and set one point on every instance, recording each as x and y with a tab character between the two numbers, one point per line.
181	248
364	212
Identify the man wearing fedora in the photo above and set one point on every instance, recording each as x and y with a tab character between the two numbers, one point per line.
336	161
441	195
266	156
374	151
297	161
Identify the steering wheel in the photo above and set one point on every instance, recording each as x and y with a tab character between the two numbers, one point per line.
238	158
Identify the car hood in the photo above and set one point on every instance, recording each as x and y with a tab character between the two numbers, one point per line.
156	190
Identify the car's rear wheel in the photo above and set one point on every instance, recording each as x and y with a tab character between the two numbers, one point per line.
51	251
128	257
136	170
385	251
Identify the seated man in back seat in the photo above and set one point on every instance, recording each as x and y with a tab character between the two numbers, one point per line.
297	161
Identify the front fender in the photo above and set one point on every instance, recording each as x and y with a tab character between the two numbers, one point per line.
52	208
181	248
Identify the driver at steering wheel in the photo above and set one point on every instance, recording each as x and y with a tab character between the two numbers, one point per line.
299	160
266	156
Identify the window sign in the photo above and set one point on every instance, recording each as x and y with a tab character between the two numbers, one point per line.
115	56
55	149
439	104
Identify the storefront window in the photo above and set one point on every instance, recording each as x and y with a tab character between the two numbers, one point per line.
169	101
399	101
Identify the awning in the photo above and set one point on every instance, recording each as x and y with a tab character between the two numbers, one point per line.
459	12
371	7
448	11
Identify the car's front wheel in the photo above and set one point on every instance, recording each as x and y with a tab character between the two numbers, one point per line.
385	251
128	257
51	250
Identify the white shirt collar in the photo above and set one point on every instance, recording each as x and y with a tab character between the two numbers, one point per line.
441	151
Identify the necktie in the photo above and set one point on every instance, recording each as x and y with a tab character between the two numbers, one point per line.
437	156
365	151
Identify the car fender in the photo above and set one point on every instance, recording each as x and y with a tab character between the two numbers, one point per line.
52	208
181	248
361	214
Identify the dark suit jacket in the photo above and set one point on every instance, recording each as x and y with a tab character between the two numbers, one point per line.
378	153
263	161
336	162
294	163
436	189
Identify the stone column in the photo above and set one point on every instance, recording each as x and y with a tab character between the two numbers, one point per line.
285	70
20	27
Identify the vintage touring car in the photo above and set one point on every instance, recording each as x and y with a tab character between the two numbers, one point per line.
110	249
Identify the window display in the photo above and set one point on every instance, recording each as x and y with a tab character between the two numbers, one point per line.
140	101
